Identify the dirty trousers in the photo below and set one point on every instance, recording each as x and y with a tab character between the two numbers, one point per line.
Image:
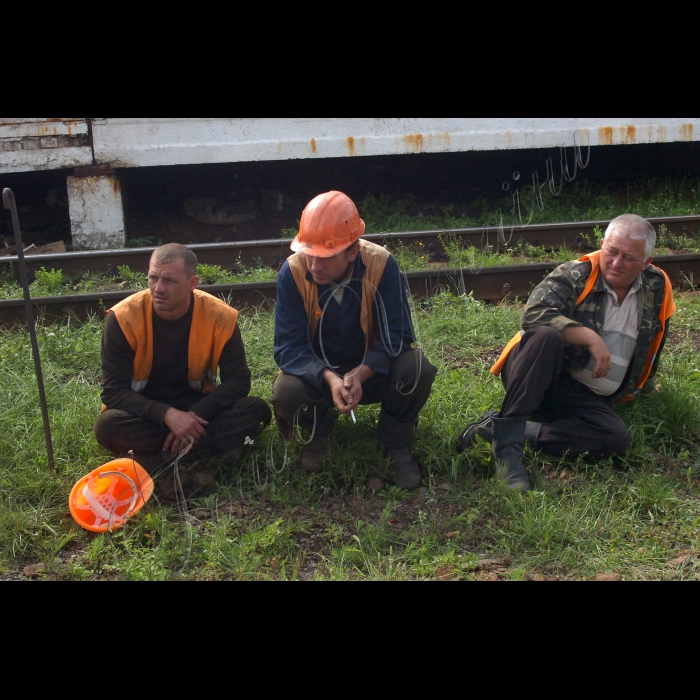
120	431
574	418
402	394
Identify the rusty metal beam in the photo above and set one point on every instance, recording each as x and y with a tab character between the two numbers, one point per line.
273	253
487	284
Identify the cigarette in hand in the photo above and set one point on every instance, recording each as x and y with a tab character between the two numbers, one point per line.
352	415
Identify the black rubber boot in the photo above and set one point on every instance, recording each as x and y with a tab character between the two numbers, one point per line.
532	432
481	427
507	446
403	469
484	428
395	437
314	454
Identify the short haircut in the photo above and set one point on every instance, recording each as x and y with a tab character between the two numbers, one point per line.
174	251
635	227
351	248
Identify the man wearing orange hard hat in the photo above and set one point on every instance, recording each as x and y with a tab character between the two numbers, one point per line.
343	337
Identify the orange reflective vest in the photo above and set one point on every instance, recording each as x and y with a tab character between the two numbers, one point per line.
213	323
374	258
668	308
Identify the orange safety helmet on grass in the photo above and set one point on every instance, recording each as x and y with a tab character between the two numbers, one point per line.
329	223
109	495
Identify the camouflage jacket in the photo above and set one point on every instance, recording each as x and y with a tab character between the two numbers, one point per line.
553	303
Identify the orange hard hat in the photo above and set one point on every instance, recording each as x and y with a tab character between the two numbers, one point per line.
109	495
329	223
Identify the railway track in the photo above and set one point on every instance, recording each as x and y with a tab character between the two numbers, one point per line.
488	284
274	252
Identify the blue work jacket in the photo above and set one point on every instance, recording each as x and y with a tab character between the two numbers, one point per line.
339	342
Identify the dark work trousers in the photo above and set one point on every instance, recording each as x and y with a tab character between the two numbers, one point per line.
120	431
402	395
574	418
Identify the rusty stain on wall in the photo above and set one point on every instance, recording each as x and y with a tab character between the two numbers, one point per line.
351	146
629	133
448	136
509	138
663	133
605	136
115	186
313	146
414	142
687	131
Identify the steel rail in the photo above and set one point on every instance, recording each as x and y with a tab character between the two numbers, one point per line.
492	284
274	252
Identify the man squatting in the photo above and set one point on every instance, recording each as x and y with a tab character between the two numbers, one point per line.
343	337
160	352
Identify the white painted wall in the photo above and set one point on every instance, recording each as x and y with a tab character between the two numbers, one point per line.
96	212
43	143
163	141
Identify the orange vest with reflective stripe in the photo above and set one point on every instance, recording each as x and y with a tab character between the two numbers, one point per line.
374	258
213	323
668	308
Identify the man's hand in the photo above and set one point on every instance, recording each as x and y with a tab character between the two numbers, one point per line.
342	398
600	353
347	391
183	426
579	335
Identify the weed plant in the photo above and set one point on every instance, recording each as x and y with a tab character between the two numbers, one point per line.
57	282
581	200
637	516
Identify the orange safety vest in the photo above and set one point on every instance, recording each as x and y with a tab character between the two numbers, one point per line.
374	258
213	323
668	308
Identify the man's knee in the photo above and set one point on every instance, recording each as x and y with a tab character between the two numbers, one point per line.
543	336
109	429
107	426
253	411
618	439
412	369
289	393
119	431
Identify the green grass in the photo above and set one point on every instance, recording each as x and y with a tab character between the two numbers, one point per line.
637	516
410	256
581	200
57	282
578	201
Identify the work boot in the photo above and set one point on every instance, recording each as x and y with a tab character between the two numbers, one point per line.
196	479
482	427
233	457
395	437
507	445
404	471
532	432
314	455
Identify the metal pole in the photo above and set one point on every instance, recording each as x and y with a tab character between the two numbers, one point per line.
8	199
